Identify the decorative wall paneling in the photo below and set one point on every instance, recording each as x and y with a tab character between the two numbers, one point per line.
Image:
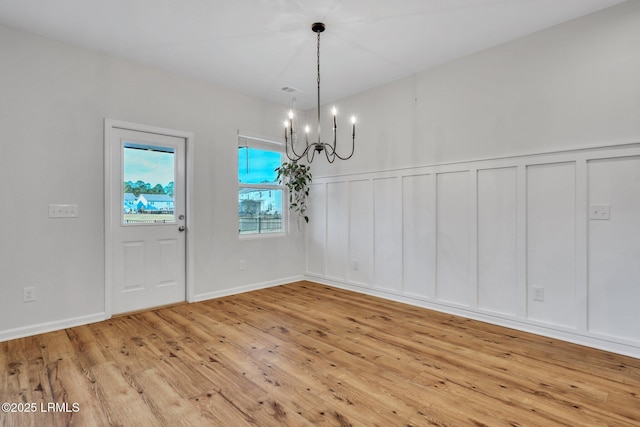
614	248
511	241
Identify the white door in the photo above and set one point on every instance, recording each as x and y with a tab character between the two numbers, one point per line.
147	214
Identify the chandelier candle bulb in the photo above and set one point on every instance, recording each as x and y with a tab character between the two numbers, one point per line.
334	112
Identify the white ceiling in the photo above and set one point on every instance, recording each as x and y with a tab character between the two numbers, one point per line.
259	46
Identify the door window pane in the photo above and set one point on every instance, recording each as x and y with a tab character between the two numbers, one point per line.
148	184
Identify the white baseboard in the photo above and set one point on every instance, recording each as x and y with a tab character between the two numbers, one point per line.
41	328
246	288
585	338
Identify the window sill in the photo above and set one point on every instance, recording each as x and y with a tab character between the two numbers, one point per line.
261	236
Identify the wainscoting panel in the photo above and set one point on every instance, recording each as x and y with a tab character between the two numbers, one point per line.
419	235
497	240
316	231
452	237
387	231
361	232
337	230
507	241
614	251
551	243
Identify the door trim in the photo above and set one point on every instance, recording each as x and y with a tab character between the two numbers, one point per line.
109	126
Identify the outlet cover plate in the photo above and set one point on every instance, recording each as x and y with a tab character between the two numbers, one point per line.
63	211
600	212
29	294
538	293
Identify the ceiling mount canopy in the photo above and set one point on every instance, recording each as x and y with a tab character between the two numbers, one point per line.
318	27
310	150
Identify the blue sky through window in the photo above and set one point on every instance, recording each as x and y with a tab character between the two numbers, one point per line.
153	167
260	167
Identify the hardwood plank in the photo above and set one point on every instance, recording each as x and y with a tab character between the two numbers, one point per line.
219	410
167	404
72	391
88	350
121	400
308	354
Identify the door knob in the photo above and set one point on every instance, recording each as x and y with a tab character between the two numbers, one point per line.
181	228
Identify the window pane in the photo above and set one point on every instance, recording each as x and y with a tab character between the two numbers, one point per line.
257	166
260	211
148	184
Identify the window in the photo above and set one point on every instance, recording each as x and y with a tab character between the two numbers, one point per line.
260	197
148	183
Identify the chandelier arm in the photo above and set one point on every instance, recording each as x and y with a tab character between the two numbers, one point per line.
293	159
286	150
296	156
330	157
286	143
313	153
334	152
353	146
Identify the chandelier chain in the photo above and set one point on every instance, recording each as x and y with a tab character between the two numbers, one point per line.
318	55
318	86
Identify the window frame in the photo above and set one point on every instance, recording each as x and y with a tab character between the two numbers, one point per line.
245	141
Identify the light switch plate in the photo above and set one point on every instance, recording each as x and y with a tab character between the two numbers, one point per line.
601	212
63	211
538	293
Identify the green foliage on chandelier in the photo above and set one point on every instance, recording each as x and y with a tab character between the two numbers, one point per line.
297	178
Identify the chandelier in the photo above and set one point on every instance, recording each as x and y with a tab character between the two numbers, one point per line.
310	150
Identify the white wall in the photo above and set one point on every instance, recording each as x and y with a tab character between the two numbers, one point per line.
571	86
453	206
54	100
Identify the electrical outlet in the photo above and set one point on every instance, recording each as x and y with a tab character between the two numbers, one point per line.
29	294
600	212
243	264
538	293
355	265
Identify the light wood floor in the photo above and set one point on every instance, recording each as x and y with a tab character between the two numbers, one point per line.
307	354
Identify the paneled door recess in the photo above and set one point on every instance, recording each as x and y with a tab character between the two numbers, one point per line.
147	219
